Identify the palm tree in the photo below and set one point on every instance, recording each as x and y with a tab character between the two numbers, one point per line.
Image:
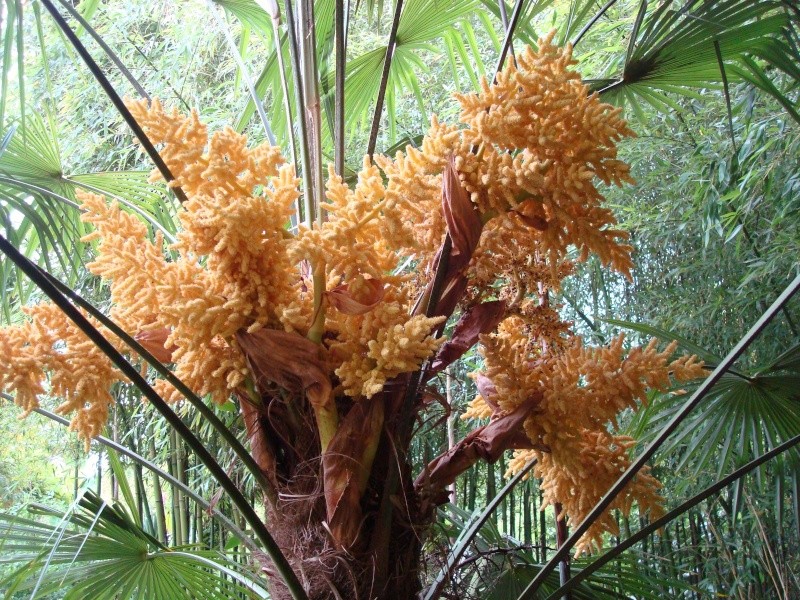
375	513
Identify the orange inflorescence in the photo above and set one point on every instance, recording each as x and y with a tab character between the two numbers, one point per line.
79	373
583	390
531	147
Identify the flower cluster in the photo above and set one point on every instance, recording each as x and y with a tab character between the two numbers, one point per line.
79	373
583	389
380	344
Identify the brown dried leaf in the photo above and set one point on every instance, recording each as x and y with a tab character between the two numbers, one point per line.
464	229
154	341
289	360
260	443
485	443
342	300
487	390
453	292
463	223
477	319
346	467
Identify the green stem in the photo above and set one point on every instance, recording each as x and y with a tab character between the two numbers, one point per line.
308	187
327	418
326	415
318	326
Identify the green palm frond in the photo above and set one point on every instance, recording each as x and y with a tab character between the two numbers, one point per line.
98	551
249	13
710	358
746	414
752	72
673	50
532	9
38	202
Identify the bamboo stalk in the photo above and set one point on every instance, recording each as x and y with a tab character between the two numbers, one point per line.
99	472
106	48
512	516
308	58
473	488
174	520
183	475
542	528
561	537
674	514
451	432
308	187
161	521
527	533
341	60
251	88
271	6
465	539
114	482
159	474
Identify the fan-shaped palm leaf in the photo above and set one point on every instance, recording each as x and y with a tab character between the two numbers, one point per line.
671	50
98	551
38	199
746	414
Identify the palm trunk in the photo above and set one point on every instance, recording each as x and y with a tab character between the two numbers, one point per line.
299	521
